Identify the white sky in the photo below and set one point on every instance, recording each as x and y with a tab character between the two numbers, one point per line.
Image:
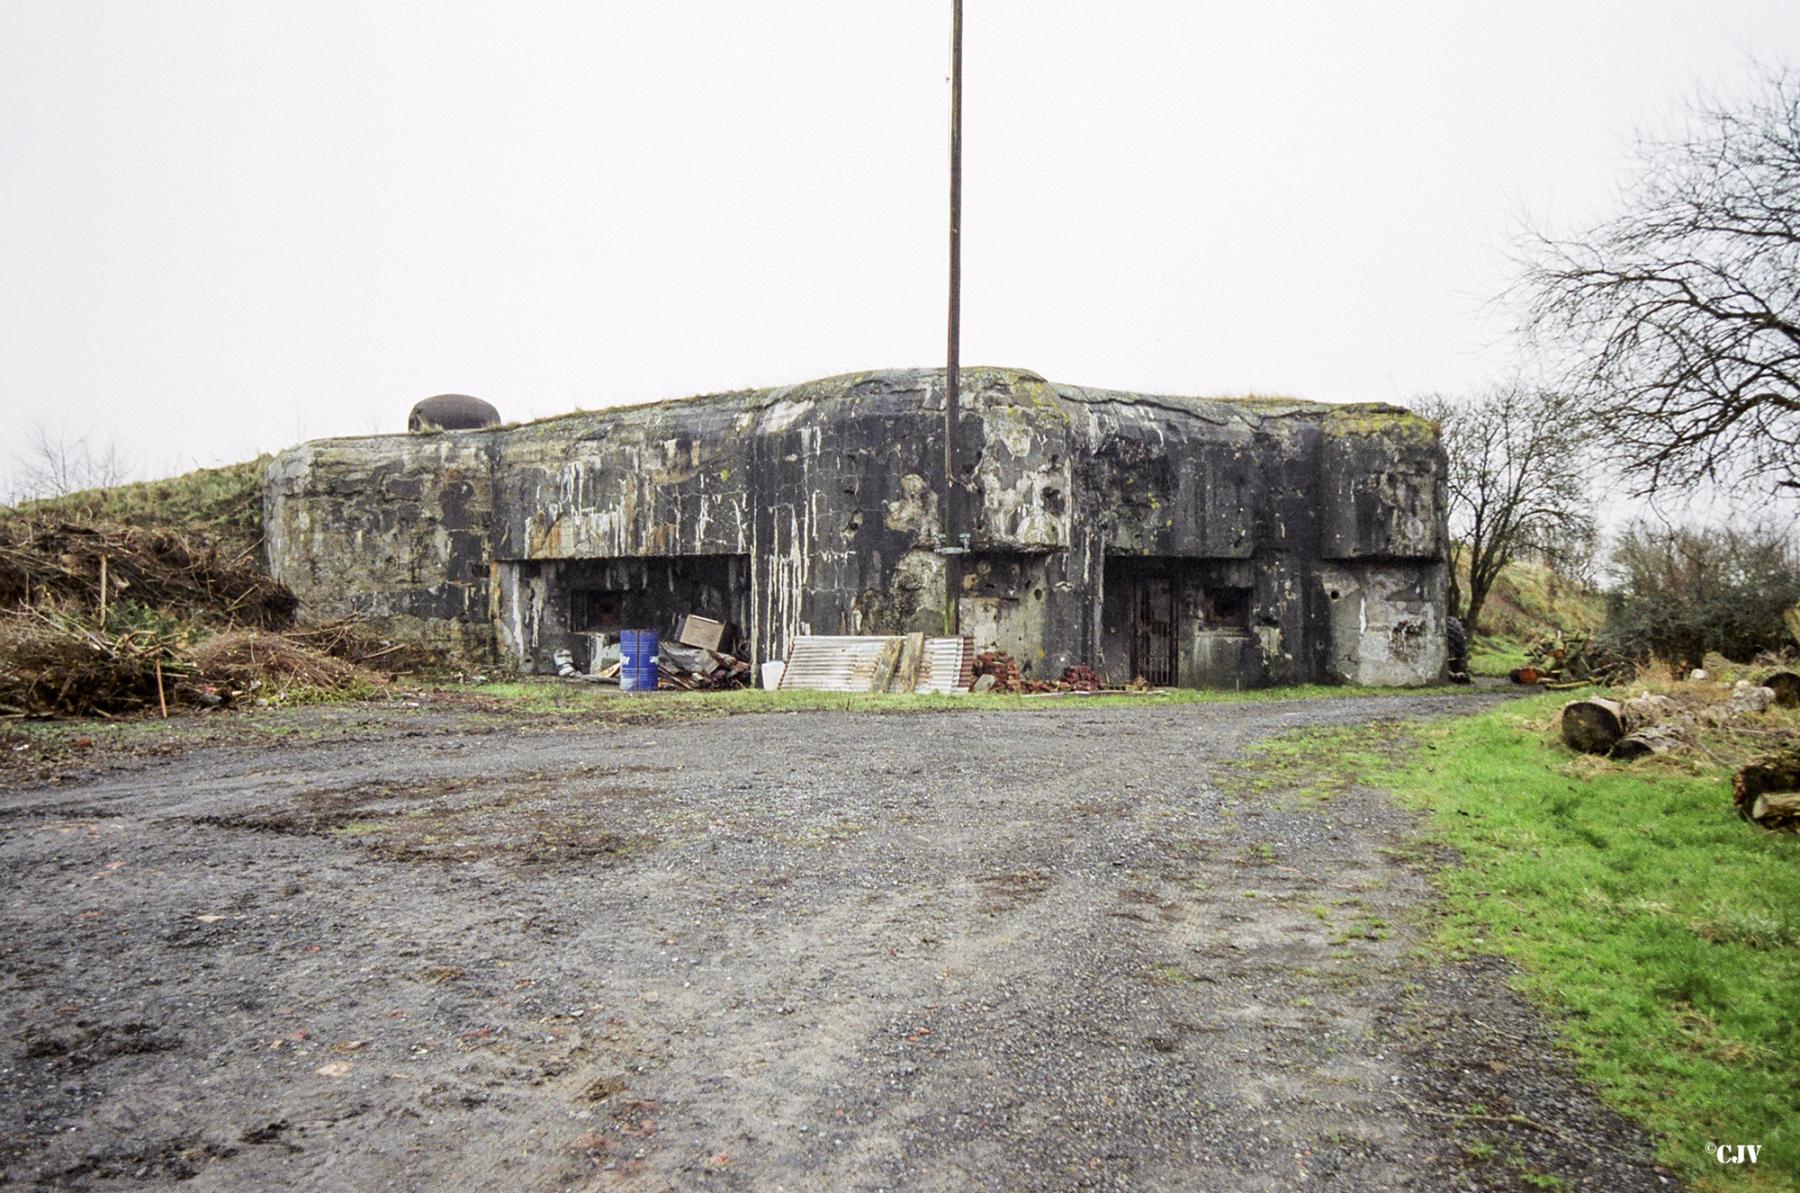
228	226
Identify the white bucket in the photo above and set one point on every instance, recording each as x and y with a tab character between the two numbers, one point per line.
771	674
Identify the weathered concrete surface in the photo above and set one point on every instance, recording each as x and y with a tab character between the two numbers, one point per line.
820	505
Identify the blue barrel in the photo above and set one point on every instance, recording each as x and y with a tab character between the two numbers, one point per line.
637	661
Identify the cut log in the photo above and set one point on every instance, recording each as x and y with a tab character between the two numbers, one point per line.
1785	685
1651	739
1777	810
1749	697
1767	789
1594	725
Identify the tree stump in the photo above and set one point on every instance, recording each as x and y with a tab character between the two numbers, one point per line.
1785	685
1767	789
1594	725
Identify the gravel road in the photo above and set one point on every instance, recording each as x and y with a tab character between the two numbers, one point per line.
1070	948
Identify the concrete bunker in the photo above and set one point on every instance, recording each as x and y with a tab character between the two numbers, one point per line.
1191	541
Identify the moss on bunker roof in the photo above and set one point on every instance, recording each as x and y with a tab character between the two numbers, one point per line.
987	384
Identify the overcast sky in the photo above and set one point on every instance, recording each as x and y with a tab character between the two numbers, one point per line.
225	227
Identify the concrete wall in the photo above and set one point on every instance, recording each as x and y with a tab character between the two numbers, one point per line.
395	529
831	491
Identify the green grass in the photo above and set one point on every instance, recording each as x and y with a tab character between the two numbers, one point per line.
550	695
1530	601
1662	931
1493	655
225	502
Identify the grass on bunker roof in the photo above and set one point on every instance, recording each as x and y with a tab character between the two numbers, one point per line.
1659	930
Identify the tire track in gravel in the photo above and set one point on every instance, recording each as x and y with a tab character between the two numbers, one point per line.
969	950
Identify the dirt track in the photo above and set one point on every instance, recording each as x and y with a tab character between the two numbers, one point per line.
1056	949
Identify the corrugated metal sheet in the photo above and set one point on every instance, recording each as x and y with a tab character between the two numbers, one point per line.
948	665
823	663
830	663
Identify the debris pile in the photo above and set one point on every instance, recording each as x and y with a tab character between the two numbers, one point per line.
1655	722
1081	678
54	662
102	618
350	640
239	662
691	669
693	662
997	671
1700	722
1766	790
99	565
1562	664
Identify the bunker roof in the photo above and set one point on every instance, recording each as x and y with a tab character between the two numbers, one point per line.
981	385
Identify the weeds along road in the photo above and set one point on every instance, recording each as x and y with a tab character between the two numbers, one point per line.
1076	948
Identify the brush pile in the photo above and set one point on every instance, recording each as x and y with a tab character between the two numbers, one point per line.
108	617
100	564
1561	664
249	660
52	661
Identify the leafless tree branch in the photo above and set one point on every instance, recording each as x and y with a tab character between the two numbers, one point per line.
1677	322
52	462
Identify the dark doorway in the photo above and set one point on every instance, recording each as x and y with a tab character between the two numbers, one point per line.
1154	651
605	596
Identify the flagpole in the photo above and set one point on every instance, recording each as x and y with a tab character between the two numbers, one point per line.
952	537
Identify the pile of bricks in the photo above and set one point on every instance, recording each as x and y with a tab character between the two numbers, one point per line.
1008	678
1080	678
1003	667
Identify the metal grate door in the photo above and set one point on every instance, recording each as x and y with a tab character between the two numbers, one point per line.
1153	651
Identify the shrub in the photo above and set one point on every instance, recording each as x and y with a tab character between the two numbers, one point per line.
1684	591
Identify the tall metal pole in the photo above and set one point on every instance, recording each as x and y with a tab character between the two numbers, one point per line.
952	369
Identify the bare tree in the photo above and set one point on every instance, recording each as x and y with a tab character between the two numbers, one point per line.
1517	484
52	462
1678	320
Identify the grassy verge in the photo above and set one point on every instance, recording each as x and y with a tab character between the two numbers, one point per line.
1530	602
549	695
1494	655
1661	930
